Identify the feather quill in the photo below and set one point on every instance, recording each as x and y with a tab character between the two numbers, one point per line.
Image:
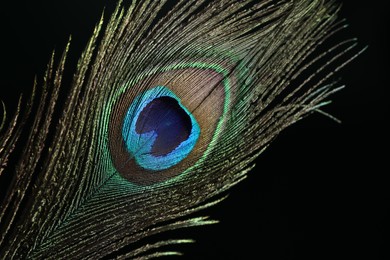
242	68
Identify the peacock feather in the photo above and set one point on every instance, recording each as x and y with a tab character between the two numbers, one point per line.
169	106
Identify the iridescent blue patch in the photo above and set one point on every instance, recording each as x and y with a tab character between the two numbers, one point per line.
158	130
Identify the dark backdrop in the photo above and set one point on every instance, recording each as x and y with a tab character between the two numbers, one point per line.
320	189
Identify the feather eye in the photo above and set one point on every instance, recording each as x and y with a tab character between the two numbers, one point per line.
170	124
168	107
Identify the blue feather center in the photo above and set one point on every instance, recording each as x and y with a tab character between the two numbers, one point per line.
158	131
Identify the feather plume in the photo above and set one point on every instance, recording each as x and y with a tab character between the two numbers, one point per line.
168	107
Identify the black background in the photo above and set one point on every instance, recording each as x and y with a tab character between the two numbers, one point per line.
321	189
